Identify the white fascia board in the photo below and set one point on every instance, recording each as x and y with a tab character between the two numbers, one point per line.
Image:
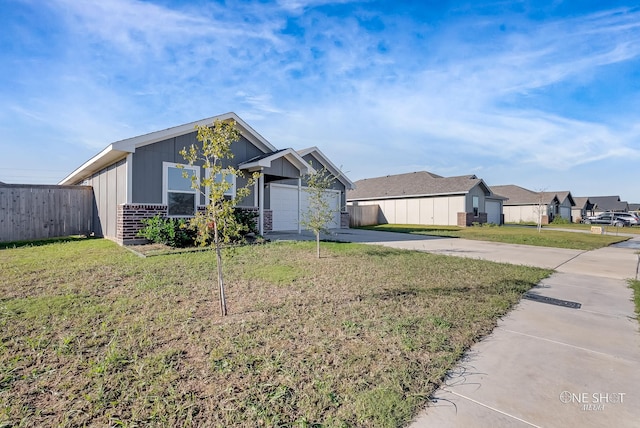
290	154
103	159
249	133
330	165
426	195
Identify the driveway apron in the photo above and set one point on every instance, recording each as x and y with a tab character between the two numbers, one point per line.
546	364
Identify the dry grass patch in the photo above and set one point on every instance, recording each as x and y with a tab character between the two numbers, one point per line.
93	335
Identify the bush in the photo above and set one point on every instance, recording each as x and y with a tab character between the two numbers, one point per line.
560	220
247	221
174	232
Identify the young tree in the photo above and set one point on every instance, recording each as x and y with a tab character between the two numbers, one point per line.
320	212
217	224
540	209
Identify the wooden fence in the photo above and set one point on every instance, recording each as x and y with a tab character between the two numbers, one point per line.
30	212
363	215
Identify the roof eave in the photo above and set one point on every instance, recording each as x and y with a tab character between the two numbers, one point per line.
425	195
349	185
103	159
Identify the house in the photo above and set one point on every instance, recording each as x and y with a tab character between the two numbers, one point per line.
603	204
526	206
426	198
583	208
634	207
140	177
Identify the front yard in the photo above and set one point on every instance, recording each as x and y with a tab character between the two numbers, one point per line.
93	335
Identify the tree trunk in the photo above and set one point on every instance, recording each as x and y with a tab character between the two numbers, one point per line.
318	244
223	300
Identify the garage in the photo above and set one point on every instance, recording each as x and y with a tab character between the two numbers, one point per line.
494	210
284	206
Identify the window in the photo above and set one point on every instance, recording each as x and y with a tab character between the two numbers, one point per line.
177	194
229	178
476	206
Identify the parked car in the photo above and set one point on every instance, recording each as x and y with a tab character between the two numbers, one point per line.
632	218
614	219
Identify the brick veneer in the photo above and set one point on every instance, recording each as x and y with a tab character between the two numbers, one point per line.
128	221
129	218
344	220
467	219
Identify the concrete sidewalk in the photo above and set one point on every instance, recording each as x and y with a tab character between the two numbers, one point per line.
544	365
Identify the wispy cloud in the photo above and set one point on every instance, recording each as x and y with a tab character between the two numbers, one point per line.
362	80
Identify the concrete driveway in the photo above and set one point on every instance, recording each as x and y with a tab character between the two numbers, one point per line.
544	365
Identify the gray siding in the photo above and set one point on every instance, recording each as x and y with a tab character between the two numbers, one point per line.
109	190
147	164
336	185
282	168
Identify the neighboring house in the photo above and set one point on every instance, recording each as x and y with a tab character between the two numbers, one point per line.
526	206
583	208
428	199
139	177
634	207
603	204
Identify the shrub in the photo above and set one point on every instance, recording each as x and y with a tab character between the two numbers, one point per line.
560	220
247	221
174	232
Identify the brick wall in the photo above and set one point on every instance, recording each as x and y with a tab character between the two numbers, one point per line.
467	219
128	221
268	220
129	218
344	220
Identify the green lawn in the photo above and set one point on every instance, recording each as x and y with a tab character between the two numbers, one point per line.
92	335
511	235
635	286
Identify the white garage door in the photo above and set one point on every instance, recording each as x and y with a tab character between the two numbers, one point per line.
493	212
284	206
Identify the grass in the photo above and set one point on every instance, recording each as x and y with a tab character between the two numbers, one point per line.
511	235
92	335
635	286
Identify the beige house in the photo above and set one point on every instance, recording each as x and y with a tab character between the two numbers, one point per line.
428	199
526	206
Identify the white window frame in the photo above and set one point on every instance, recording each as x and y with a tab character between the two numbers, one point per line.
231	192
165	186
475	206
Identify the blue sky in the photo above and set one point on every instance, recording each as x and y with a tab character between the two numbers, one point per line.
541	94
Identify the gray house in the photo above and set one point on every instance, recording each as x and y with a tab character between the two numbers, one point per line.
429	199
602	204
583	208
139	177
524	205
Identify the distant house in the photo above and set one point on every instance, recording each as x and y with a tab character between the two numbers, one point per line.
429	199
526	206
634	207
583	208
141	177
608	203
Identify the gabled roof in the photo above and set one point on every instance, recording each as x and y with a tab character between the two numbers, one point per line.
517	195
520	196
120	149
348	184
561	195
608	203
414	184
583	202
264	161
634	207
